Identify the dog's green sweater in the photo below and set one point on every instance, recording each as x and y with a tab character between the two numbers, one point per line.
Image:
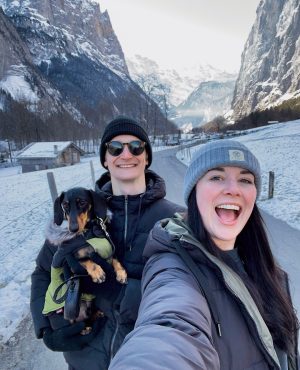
102	247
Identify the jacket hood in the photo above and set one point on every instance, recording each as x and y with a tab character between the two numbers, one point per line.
56	235
165	232
155	187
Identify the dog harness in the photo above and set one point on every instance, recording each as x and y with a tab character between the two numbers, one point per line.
57	289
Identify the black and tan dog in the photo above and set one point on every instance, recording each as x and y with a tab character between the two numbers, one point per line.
78	206
83	210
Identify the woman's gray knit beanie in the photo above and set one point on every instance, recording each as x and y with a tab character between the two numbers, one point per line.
220	153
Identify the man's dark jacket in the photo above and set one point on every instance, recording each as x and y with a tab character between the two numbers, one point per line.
132	219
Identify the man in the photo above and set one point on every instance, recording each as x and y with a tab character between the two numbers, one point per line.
135	197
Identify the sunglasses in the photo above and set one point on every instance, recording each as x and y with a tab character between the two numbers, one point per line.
135	147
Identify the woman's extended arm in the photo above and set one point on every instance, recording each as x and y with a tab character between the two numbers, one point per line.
173	329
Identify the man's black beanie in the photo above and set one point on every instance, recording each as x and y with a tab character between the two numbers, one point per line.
124	126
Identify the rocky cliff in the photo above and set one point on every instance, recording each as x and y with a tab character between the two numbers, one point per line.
57	28
270	66
19	76
63	56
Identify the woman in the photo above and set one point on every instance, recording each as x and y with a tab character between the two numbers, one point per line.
213	295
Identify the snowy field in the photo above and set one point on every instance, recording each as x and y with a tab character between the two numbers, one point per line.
24	213
27	207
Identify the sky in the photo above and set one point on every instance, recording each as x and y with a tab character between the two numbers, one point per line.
181	34
27	206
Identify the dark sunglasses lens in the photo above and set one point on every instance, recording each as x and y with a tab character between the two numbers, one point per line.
115	148
136	147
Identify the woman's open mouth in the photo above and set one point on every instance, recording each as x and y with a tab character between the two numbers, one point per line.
228	213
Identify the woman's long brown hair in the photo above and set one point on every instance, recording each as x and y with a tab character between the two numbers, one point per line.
266	282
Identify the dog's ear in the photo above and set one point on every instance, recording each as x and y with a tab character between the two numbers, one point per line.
99	204
58	211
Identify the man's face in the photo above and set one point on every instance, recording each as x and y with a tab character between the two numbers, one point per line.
126	167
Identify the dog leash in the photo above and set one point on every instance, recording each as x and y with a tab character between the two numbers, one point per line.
101	223
71	285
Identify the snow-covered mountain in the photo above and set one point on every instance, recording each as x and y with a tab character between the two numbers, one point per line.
210	99
63	56
66	27
270	67
181	83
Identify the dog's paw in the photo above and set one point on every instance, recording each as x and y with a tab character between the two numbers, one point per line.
121	276
99	278
97	274
87	330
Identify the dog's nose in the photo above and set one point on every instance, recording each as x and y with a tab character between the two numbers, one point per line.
73	227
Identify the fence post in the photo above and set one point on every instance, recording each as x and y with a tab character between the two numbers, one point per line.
271	184
92	173
52	186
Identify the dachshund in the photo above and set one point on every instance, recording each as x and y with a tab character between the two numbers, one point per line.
78	206
83	210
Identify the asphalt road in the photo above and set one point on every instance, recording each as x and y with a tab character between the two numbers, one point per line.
25	352
172	170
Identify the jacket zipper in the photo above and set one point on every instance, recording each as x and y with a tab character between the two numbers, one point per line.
125	219
137	221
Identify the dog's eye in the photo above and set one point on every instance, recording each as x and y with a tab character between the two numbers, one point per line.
82	203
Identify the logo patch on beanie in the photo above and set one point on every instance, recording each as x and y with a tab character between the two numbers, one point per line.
236	155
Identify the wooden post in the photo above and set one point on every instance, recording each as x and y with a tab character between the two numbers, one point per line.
182	153
271	184
9	150
92	173
52	186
